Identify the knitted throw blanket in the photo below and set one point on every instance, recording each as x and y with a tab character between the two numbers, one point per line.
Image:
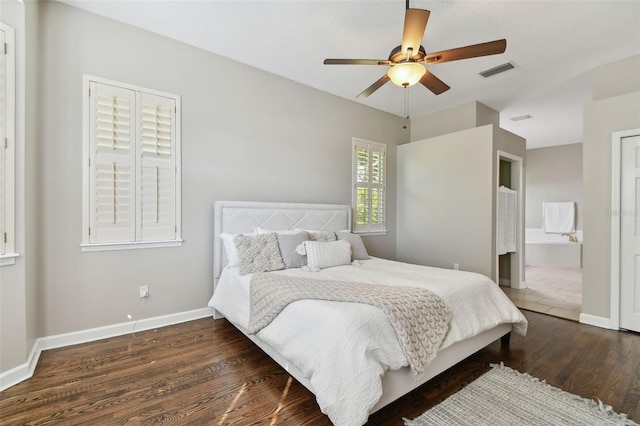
419	317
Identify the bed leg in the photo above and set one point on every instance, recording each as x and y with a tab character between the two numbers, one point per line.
504	340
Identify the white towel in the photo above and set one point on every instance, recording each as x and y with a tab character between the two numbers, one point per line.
558	218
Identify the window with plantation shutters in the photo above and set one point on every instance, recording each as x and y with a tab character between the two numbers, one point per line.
7	145
369	186
133	167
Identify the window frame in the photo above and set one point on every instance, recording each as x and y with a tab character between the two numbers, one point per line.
87	218
369	228
8	144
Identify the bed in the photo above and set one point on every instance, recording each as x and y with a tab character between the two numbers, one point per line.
360	383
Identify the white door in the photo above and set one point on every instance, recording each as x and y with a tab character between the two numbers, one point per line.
630	233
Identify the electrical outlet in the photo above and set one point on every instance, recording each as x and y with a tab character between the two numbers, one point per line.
456	267
144	291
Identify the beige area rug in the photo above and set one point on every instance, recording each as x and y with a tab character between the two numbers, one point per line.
507	397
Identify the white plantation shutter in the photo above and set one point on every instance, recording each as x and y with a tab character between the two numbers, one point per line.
369	180
377	155
7	145
132	175
507	202
112	164
156	168
362	179
3	151
3	195
510	235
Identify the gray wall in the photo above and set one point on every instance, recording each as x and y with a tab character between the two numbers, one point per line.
553	174
444	200
246	135
611	111
33	169
461	117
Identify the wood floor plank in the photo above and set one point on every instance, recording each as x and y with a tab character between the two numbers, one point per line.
205	372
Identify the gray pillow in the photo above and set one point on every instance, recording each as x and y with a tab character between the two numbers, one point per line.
258	253
288	244
358	250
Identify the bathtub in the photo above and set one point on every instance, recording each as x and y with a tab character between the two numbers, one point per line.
543	249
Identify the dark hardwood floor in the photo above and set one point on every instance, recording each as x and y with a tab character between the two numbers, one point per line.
205	372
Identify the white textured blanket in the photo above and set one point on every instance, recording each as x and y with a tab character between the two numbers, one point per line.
419	317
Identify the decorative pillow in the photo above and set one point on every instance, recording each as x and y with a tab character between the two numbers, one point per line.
230	248
258	253
319	235
324	254
358	250
288	243
322	236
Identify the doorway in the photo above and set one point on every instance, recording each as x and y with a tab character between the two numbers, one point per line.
509	261
625	223
553	272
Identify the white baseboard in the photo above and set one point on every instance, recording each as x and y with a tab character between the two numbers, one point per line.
597	321
21	372
24	371
506	282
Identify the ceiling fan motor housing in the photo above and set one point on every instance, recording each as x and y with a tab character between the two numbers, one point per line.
397	56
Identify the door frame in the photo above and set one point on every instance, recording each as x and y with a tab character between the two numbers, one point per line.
614	214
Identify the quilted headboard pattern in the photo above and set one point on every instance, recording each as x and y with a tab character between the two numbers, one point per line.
242	216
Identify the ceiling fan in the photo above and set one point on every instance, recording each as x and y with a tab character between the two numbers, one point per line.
406	60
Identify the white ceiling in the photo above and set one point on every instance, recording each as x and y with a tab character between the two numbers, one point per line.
555	45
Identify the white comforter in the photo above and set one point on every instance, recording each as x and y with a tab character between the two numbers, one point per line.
345	348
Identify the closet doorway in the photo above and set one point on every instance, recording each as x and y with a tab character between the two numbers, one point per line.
510	221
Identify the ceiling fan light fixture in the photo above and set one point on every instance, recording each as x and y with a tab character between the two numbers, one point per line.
406	74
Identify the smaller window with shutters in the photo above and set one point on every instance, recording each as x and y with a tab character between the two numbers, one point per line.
369	186
131	170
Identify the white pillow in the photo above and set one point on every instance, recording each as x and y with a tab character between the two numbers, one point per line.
230	248
322	254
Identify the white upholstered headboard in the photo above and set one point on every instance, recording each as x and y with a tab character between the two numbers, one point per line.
238	217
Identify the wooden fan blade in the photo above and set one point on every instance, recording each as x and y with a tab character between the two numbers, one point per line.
356	62
415	22
472	51
375	86
433	83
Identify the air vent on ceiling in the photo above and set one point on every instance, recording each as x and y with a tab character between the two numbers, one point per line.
522	117
497	70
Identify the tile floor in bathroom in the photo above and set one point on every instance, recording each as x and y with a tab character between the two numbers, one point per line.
554	291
